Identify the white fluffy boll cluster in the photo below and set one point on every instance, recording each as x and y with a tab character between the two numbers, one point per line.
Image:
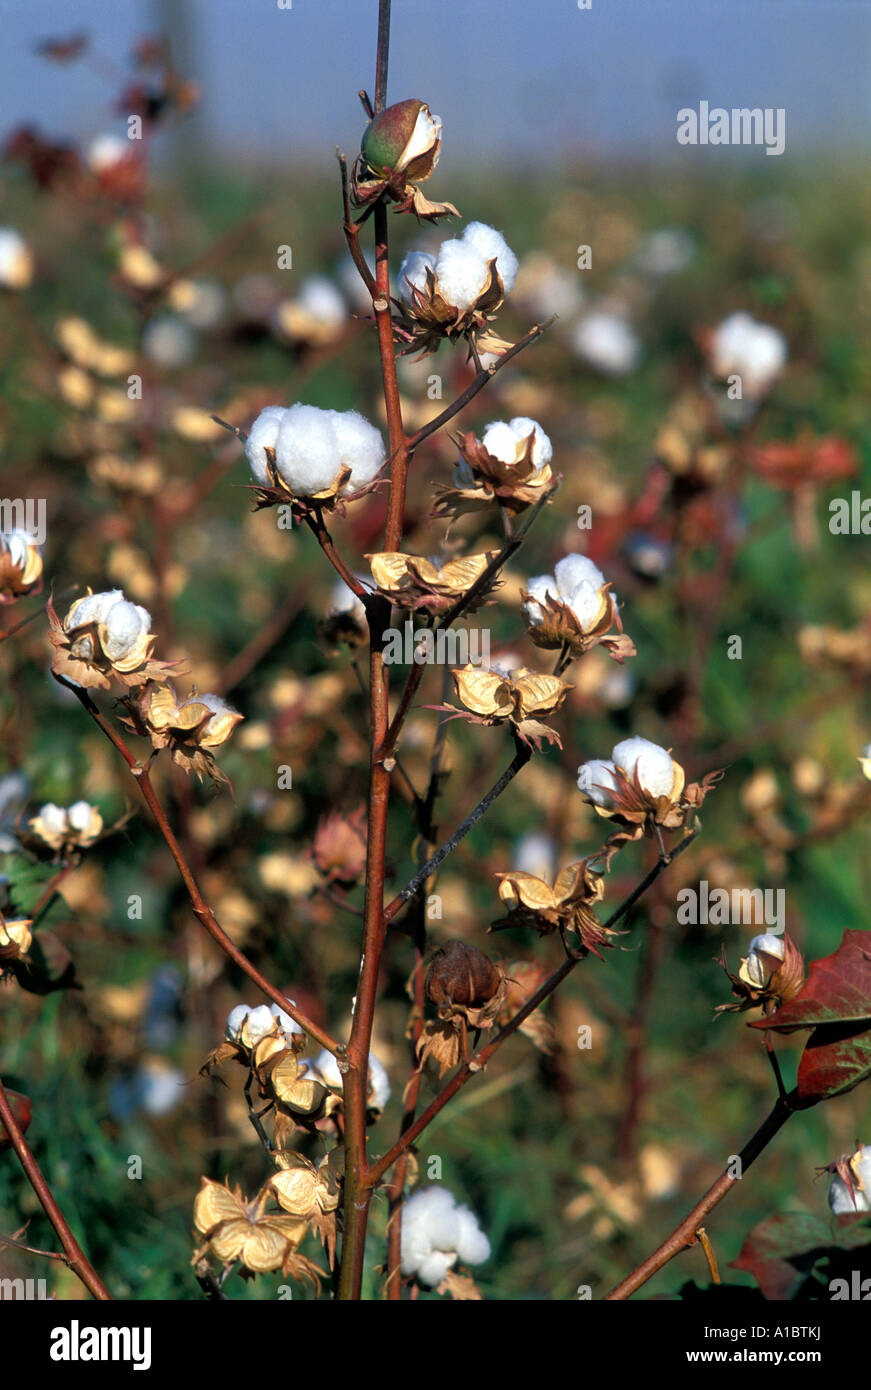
313	446
637	757
123	623
506	440
576	582
436	1233
756	352
607	342
261	1022
461	267
379	1082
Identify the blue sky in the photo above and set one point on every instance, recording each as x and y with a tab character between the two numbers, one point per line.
517	77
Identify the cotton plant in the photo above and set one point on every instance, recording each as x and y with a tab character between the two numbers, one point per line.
332	1149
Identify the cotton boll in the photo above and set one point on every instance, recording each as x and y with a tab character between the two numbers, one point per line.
17	543
586	603
535	854
328	1067
79	815
263	435
754	351
461	274
542	449
320	298
412	274
54	818
768	945
105	151
379	1084
306	451
538	589
169	342
124	624
16	260
844	1203
651	764
92	609
159	1087
500	440
573	571
432	1268
607	343
260	1023
597	779
472	1245
285	1022
360	447
491	244
235	1019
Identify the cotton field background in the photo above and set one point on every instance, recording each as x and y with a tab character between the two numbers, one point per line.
155	303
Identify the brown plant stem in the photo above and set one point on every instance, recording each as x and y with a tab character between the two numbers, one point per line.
685	1234
201	910
75	1255
357	1193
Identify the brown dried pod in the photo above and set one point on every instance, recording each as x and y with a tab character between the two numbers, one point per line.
462	978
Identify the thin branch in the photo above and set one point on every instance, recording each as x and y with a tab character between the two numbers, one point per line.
480	1059
477	384
382	55
684	1235
315	521
352	231
75	1255
198	903
705	1242
520	759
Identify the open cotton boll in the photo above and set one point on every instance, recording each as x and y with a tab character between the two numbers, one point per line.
572	571
16	260
260	1023
461	274
235	1019
538	589
285	1022
597	779
159	1087
491	245
535	853
306	451
320	298
124	624
472	1245
79	815
93	608
263	435
607	343
360	447
504	440
412	274
649	762
844	1203
169	341
755	351
586	603
16	543
106	150
432	1268
768	945
328	1067
379	1084
54	818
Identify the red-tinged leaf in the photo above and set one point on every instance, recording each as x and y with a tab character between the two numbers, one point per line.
838	989
781	1251
836	1058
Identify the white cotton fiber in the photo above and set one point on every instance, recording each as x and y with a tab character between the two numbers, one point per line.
306	450
573	571
461	273
651	763
92	609
263	435
597	779
491	245
412	274
360	447
124	624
